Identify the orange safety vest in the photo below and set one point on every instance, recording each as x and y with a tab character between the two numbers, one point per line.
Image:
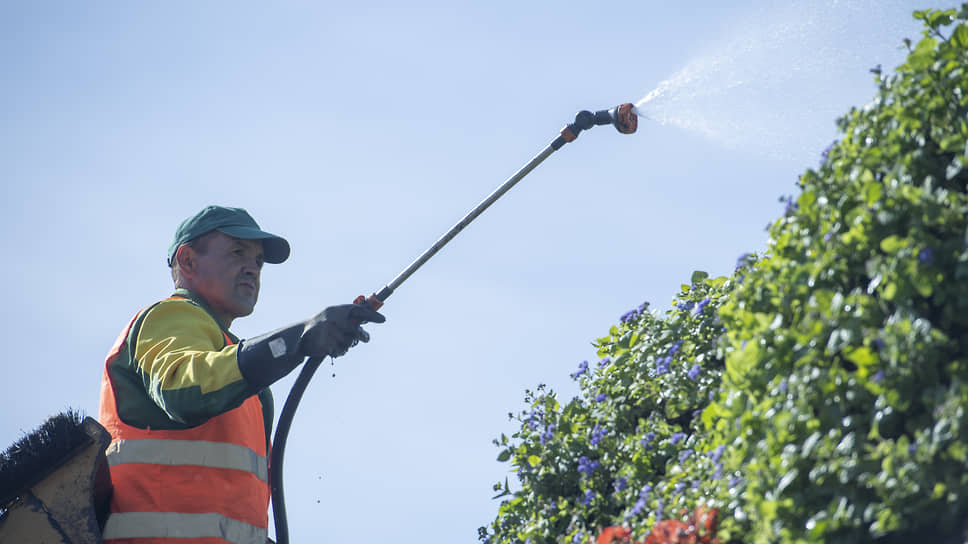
207	483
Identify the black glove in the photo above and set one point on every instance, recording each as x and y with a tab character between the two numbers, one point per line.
336	329
265	359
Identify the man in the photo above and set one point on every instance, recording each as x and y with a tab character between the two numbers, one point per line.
188	404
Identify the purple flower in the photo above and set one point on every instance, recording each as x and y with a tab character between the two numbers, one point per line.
685	305
783	386
791	204
637	508
598	433
719	471
533	418
743	260
694	371
629	316
826	152
604	361
675	348
683	455
662	365
640	503
582	367
679	487
601	397
879	343
589	497
548	434
701	306
586	466
878	376
716	453
621	484
676	437
659	508
647	441
926	256
735	481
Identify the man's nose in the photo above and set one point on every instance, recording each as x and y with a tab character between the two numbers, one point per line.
252	268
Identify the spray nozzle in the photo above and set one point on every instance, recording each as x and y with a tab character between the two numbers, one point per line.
623	117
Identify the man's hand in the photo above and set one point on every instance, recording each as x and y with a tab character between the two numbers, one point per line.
336	329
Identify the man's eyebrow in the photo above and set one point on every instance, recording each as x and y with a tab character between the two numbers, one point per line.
249	244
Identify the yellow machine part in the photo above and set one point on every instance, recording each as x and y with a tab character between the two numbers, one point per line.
64	507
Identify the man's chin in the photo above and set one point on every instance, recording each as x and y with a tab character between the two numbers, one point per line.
244	308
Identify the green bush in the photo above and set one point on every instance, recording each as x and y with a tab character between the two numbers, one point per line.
818	394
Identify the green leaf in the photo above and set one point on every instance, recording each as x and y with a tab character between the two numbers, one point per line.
893	244
941	18
890	290
740	362
863	357
923	55
504	456
698	276
960	37
923	284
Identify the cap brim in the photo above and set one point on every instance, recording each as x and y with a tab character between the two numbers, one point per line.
276	248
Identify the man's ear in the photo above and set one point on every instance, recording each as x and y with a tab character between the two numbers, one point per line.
185	257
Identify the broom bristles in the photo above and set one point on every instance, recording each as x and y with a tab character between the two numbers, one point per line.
32	457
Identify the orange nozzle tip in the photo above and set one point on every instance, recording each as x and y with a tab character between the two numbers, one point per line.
626	120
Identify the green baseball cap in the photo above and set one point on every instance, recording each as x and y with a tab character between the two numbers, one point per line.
234	222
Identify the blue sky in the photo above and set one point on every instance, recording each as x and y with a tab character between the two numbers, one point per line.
362	133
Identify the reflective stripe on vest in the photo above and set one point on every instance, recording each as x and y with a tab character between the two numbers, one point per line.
175	525
188	452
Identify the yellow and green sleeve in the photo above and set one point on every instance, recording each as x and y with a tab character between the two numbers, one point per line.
180	369
190	372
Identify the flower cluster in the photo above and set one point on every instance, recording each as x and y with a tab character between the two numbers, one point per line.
582	368
587	466
548	434
634	313
640	503
598	433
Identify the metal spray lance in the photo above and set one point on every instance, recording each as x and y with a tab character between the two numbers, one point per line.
625	120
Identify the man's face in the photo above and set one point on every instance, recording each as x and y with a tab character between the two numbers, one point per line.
227	275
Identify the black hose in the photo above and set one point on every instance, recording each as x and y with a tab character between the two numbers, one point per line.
279	448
